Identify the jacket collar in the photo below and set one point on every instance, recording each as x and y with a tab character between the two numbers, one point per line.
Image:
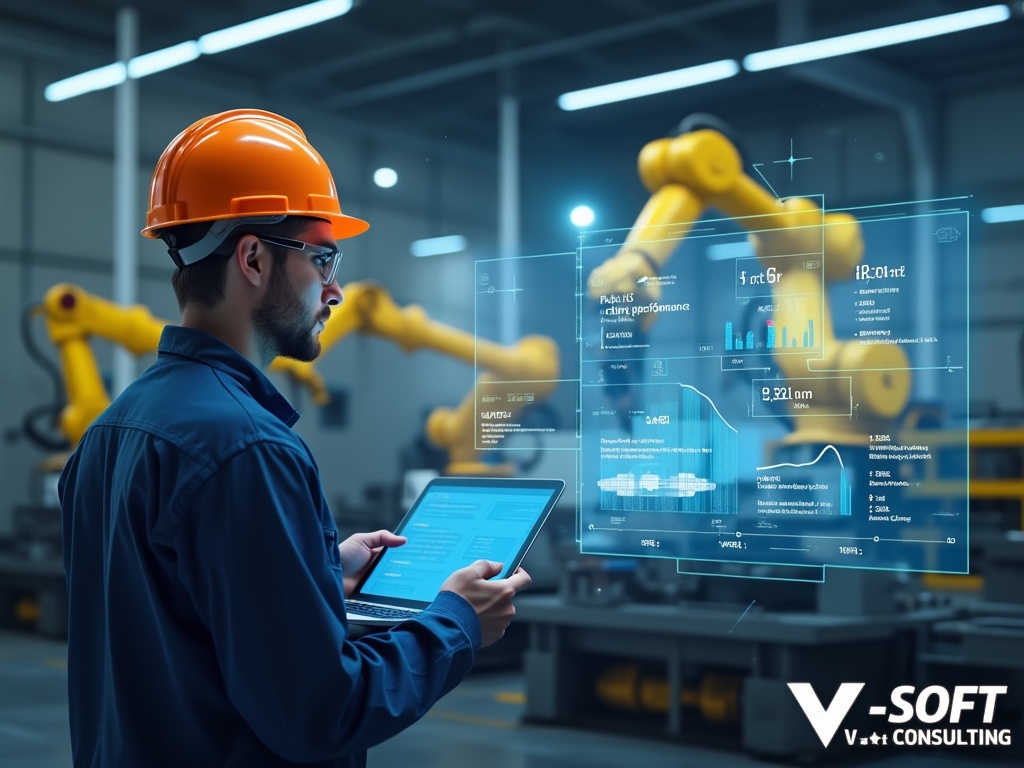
209	350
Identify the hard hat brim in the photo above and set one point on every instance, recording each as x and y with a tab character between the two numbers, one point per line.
342	225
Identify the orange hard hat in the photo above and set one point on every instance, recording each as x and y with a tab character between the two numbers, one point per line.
243	164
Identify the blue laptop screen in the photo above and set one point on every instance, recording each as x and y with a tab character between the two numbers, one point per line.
450	528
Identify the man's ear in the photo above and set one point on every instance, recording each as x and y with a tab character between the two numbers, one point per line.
252	260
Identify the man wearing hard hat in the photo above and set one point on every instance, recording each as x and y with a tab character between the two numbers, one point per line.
206	585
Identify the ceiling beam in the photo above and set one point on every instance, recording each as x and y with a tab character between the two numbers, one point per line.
70	16
436	39
554	48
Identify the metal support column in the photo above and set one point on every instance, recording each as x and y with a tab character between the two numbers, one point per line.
126	158
508	202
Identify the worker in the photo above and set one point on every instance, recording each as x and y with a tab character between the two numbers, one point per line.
206	583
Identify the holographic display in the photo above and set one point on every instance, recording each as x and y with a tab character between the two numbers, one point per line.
754	400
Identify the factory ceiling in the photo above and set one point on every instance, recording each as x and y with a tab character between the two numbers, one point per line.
435	70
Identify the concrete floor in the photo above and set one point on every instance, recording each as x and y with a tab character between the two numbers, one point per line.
476	725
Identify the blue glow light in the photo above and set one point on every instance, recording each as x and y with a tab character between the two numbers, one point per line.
582	216
649	85
743	249
273	25
93	80
1002	214
182	53
385	177
435	246
875	38
165	58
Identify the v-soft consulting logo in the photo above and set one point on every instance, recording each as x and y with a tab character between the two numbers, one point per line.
934	716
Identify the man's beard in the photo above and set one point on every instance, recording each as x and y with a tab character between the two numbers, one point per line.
280	322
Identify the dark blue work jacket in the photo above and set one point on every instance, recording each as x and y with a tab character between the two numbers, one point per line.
207	614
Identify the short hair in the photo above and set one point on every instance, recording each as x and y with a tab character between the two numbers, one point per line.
202	282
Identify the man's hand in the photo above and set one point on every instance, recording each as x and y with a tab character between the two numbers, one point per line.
359	550
492	600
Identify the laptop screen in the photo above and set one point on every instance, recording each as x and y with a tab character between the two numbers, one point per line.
454	522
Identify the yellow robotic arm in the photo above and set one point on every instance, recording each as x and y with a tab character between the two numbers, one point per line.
72	316
531	363
702	169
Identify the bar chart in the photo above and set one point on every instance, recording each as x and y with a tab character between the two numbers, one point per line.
768	338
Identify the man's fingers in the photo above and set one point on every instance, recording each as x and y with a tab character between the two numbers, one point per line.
484	569
382	538
519	580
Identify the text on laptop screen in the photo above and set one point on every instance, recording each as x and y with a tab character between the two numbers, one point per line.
447	533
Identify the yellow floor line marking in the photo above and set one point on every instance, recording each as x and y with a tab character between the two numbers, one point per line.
488	722
510	697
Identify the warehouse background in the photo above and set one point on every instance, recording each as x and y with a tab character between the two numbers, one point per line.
432	89
418	86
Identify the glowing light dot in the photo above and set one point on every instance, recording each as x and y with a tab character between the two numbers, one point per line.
582	216
385	177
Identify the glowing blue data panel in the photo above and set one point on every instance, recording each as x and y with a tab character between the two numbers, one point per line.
754	404
525	313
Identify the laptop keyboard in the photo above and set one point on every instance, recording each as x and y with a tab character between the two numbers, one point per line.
379	611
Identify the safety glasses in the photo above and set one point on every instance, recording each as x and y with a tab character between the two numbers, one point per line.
325	258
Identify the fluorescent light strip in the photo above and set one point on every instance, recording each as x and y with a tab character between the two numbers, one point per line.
435	246
1002	214
93	80
649	85
214	42
275	24
875	38
165	58
742	249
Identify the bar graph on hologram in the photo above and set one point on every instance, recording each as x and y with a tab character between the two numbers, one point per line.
687	463
801	338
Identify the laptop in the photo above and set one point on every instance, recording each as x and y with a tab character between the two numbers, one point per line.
454	522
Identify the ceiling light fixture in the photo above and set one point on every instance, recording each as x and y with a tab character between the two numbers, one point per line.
214	42
272	25
1003	213
93	80
649	85
741	249
385	177
435	246
582	216
165	58
875	38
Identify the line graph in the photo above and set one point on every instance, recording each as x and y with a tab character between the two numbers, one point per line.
712	404
807	463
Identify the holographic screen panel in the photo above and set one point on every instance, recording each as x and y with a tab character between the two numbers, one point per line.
757	401
525	354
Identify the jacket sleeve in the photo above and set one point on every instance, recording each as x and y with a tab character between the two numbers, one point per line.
261	564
